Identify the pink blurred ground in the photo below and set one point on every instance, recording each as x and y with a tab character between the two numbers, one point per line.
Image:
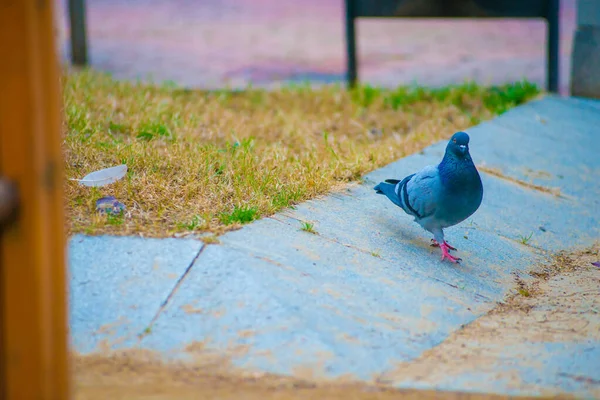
212	43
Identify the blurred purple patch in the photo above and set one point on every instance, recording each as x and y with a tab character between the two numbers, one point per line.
278	70
596	264
109	205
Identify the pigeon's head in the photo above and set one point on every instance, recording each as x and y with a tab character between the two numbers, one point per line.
459	145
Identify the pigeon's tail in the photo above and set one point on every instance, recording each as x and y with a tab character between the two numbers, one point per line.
388	188
395	190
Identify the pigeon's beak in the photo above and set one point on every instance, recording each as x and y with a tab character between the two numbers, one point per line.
463	148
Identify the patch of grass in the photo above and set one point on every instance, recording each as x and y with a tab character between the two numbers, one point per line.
115	219
195	223
525	239
145	332
500	99
152	130
308	227
241	215
230	157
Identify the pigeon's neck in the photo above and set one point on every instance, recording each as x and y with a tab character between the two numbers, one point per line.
457	171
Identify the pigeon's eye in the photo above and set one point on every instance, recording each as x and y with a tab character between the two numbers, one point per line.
454	140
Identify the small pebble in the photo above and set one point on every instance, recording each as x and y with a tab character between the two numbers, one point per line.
375	132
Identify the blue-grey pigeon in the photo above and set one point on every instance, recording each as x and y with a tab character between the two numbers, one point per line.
442	195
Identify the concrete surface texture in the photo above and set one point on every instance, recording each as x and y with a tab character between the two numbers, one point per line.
366	292
268	42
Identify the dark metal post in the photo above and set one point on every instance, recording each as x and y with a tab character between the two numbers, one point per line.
351	44
553	43
78	32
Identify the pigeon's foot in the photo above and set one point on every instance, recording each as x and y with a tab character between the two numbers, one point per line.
446	254
434	243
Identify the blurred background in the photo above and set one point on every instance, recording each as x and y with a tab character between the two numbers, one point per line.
218	43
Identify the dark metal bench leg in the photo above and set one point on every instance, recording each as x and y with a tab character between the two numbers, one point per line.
351	44
553	42
78	32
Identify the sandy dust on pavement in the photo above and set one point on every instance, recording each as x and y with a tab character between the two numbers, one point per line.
562	305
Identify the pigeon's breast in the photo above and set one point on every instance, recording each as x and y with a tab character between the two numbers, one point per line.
460	201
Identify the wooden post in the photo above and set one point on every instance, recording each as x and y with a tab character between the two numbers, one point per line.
33	302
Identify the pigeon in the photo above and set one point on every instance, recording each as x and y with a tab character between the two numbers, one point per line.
440	196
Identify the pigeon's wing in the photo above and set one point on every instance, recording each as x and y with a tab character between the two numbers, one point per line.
422	192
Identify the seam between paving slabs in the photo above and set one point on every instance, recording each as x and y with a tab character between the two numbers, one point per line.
164	304
350	246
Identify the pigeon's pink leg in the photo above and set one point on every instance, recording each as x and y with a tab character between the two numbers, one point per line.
446	254
434	243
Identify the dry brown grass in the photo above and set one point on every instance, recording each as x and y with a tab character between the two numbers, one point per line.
208	161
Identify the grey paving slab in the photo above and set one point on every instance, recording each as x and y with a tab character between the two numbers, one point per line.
118	284
585	101
552	119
